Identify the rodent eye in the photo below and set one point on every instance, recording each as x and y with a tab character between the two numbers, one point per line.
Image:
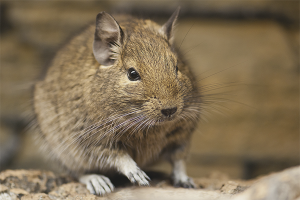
176	68
133	75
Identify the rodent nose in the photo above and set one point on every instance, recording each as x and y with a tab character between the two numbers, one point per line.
168	112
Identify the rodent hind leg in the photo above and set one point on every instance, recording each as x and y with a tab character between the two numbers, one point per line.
176	156
179	176
97	184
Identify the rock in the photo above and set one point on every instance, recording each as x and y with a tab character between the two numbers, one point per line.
279	186
31	181
72	191
37	196
232	187
35	184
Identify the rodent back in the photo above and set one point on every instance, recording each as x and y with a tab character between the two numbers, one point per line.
137	83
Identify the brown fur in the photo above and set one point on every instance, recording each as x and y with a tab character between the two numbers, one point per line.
89	114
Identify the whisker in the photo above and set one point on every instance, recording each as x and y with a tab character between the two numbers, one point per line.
221	71
186	35
91	128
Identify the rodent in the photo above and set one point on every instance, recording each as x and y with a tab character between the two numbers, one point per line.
116	98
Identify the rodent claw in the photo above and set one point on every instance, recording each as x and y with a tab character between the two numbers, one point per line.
110	185
91	188
98	188
97	184
189	183
146	176
101	182
139	177
143	178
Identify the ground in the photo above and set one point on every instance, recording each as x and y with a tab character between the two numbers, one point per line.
37	184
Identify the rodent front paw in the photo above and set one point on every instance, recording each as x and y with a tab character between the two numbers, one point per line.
97	184
139	177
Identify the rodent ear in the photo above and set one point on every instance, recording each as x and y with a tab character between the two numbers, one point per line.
168	27
108	39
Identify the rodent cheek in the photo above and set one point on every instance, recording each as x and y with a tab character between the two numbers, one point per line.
131	87
152	109
185	82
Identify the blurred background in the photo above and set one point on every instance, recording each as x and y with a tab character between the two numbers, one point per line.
244	53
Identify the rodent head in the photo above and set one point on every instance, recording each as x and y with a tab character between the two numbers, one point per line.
140	72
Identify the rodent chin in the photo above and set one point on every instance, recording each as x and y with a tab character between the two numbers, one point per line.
166	120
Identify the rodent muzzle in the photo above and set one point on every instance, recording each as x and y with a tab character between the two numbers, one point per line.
169	111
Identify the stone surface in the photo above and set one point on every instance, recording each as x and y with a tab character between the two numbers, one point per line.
30	181
18	184
281	186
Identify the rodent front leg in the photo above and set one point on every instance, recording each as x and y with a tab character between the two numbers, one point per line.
126	165
100	185
97	184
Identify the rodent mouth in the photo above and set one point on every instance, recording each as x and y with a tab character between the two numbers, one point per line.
165	119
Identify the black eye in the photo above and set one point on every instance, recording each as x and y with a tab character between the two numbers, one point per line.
133	75
176	68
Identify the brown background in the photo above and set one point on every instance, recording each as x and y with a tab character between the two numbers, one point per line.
245	54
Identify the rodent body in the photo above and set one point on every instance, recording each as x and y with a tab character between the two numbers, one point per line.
120	104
